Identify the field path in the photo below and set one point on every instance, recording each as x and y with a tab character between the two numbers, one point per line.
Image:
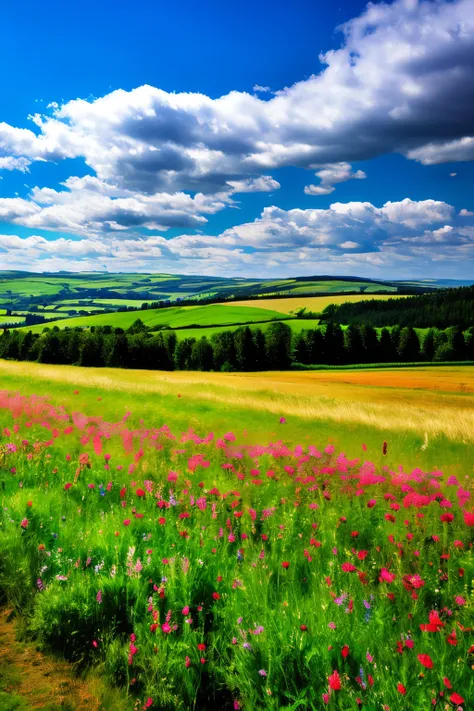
32	680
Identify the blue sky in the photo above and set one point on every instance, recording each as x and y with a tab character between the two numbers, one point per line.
251	138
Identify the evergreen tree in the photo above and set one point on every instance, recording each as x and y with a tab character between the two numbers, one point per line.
334	344
353	347
91	349
395	336
457	343
387	350
25	346
278	346
470	344
409	346
182	354
370	344
202	356
260	352
224	351
315	345
428	346
300	348
244	349
117	351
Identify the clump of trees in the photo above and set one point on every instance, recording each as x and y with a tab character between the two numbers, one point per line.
245	349
441	309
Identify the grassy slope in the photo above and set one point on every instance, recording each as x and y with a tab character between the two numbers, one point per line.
349	408
175	317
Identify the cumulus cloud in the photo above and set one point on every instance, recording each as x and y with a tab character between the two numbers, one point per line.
91	206
401	81
356	237
331	175
264	184
12	163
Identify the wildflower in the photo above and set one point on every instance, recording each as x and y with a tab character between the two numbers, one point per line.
99	597
201	647
345	651
24	523
425	660
401	689
262	672
285	564
386	576
456	698
216	596
468	518
334	681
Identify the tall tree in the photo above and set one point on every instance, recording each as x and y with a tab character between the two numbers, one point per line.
278	346
409	346
244	349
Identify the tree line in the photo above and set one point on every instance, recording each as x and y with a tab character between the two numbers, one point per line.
441	309
244	349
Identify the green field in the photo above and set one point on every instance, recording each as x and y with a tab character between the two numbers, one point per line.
174	317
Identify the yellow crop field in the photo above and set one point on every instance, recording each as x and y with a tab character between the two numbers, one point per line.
312	303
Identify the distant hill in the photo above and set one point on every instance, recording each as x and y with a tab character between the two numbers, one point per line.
29	298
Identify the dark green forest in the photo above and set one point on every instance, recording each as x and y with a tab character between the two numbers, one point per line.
441	309
276	348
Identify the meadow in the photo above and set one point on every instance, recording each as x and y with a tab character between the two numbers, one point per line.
245	541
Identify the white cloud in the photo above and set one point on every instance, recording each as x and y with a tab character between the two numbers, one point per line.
331	175
401	66
318	190
12	163
263	184
345	238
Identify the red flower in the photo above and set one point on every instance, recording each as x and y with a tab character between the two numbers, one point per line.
303	628
425	660
447	518
216	596
468	518
140	492
447	683
456	698
201	647
401	689
434	625
162	521
285	564
345	651
451	639
348	568
335	681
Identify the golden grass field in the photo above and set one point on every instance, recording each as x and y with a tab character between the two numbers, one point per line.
433	401
312	303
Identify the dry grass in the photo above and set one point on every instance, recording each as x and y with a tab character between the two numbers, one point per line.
436	401
312	303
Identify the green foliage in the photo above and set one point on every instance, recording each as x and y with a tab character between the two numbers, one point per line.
441	309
